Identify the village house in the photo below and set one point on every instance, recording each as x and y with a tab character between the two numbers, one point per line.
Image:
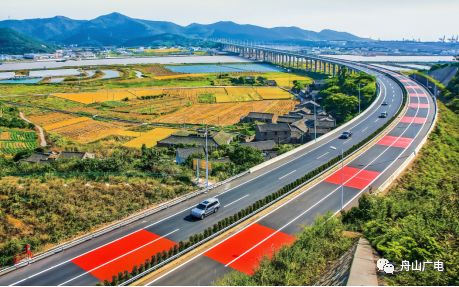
199	140
259	117
267	145
282	133
43	157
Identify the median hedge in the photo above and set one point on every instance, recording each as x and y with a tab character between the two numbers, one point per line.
219	227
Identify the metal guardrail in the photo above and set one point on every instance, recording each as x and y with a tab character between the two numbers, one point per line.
117	225
144	214
349	156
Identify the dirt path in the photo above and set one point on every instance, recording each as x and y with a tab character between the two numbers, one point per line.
41	134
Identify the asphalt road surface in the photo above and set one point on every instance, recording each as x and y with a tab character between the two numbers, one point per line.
121	249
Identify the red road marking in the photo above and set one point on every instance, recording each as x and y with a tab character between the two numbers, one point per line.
414	120
395	141
115	251
418	95
237	245
363	178
412	87
405	81
418	106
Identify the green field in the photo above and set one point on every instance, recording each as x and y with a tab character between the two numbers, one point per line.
14	141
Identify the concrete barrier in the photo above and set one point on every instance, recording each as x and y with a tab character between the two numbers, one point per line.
319	139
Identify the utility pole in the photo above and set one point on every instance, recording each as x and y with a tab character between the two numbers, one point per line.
315	118
207	162
342	178
359	98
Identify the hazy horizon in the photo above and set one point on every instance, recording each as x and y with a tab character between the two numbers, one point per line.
408	19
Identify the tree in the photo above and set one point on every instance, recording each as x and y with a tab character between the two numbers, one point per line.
341	106
245	157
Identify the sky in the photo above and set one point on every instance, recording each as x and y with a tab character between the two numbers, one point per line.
379	19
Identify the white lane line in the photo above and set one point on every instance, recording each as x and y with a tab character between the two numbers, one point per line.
236	200
346	141
284	176
266	215
323	155
364	129
344	183
383	92
121	256
375	121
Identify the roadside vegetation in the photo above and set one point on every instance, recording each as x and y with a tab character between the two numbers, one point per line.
415	220
302	263
47	203
341	94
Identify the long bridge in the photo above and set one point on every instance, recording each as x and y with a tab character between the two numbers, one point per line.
286	58
100	255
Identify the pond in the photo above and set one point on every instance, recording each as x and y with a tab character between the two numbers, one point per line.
223	68
21	81
7	75
54	73
110	74
56	80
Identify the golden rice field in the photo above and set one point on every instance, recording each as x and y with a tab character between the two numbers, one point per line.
222	95
65	123
225	113
79	129
88	131
273	93
286	80
107	95
150	138
49	118
5	136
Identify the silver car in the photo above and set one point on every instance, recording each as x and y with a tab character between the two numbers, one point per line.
205	208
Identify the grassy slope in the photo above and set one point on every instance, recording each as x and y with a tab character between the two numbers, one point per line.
417	220
303	262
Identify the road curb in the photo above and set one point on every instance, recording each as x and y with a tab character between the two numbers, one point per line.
254	218
409	160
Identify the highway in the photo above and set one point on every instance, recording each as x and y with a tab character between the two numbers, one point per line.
121	249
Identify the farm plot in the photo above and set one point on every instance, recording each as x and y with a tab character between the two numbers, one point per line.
150	138
273	93
65	123
14	141
286	80
108	95
225	113
238	94
88	131
79	129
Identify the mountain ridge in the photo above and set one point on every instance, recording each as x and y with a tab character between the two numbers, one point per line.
116	29
13	42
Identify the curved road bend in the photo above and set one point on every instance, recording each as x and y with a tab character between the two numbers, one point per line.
243	250
121	249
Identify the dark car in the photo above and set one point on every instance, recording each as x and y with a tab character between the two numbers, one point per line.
384	104
345	135
383	115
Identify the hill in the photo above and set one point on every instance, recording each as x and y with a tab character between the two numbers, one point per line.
12	42
117	29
